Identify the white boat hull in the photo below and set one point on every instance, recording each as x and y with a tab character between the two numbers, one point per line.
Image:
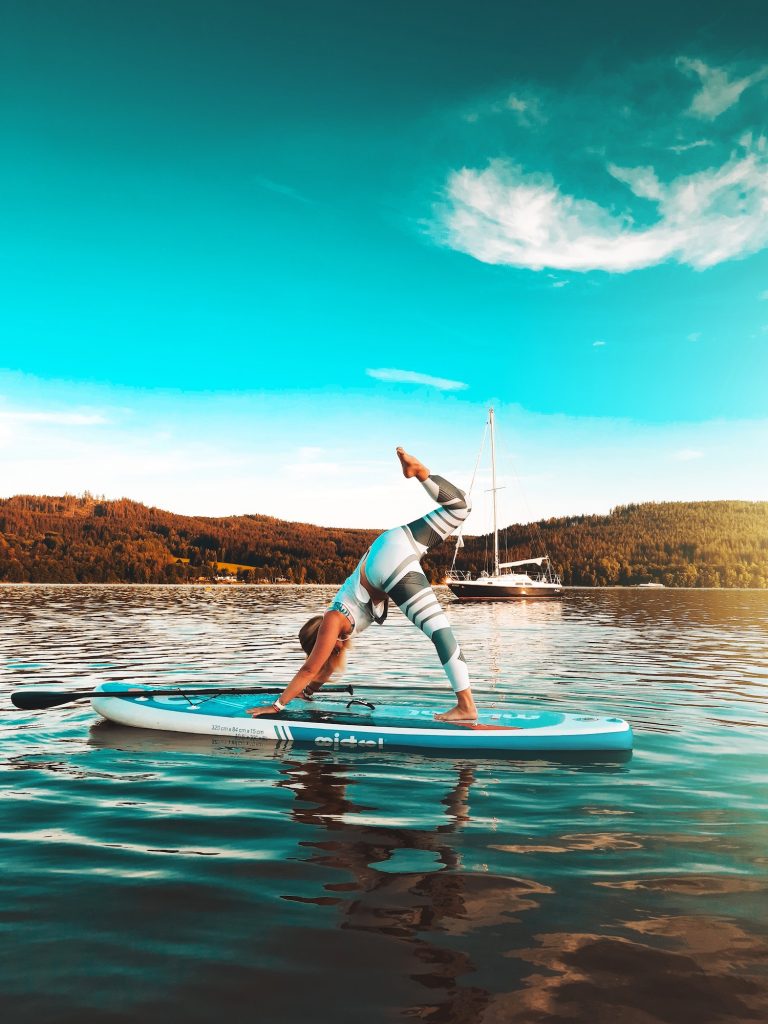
499	588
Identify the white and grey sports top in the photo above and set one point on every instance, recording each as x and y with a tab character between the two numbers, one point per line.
354	601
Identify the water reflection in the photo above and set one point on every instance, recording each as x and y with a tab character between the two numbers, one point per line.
588	976
313	884
532	623
708	975
413	908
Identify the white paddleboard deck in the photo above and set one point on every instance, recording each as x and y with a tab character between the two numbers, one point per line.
357	725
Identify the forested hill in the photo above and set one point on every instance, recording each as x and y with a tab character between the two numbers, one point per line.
84	539
678	543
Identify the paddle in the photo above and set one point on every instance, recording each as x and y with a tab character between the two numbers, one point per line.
37	698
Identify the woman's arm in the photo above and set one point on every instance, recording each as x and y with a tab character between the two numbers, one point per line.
333	625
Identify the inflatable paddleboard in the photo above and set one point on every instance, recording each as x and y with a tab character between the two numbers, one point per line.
359	725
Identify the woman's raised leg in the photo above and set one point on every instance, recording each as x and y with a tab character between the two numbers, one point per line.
394	566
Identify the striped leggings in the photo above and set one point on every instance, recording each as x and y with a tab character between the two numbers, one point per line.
393	565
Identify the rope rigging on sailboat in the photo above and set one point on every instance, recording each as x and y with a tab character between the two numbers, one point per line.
459	538
500	585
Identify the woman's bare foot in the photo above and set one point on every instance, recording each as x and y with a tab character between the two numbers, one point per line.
456	715
411	465
465	710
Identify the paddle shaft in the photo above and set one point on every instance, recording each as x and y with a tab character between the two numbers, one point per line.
37	698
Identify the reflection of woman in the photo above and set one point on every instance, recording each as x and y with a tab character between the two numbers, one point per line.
406	911
391	568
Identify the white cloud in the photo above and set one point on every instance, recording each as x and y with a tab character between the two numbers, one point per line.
685	147
558	282
686	455
61	419
526	110
409	377
502	215
251	446
694	336
718	92
598	344
641	180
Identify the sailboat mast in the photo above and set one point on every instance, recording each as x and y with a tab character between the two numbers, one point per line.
493	490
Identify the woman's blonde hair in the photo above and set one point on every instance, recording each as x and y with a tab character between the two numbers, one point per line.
335	661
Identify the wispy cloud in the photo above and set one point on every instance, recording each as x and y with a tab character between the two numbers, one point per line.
503	215
523	107
61	419
718	92
409	377
581	464
641	180
598	344
694	336
526	110
686	147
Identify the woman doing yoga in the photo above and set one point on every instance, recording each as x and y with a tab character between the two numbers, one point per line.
390	569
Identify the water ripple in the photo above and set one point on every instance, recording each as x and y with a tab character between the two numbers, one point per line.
212	876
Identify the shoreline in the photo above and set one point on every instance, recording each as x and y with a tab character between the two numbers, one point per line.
329	586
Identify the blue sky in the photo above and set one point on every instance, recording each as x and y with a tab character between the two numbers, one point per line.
249	248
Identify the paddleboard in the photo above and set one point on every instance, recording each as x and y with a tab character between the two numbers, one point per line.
359	725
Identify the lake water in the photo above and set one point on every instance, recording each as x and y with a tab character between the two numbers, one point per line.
148	875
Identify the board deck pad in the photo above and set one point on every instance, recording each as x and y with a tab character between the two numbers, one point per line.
352	723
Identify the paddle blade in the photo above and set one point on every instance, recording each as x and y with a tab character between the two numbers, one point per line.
35	698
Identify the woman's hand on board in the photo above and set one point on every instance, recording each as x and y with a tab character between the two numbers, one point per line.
262	709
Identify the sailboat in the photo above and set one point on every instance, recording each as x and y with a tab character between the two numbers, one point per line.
509	580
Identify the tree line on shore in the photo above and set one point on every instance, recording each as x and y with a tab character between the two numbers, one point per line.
84	539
